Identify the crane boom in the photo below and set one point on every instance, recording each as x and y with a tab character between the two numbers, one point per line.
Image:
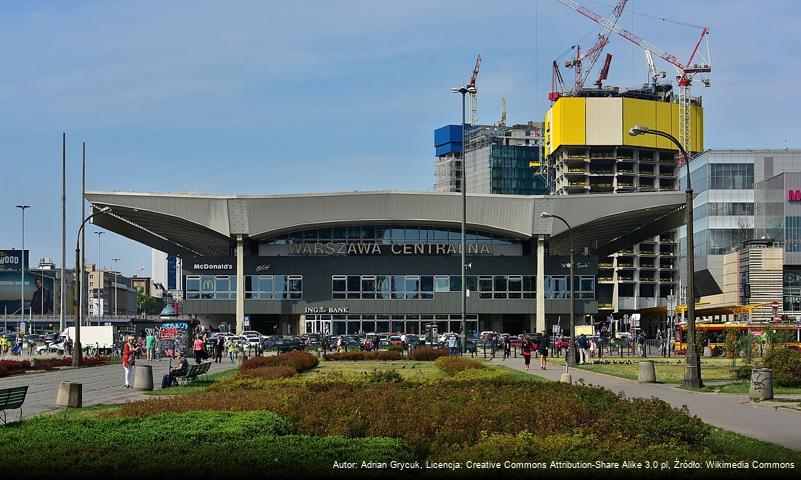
585	63
474	93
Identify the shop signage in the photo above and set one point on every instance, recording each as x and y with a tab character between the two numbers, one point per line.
327	310
794	195
212	266
375	248
13	260
262	267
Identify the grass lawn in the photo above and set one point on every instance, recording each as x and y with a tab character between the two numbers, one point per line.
195	387
742	387
712	369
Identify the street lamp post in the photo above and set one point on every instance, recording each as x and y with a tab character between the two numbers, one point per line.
76	356
115	285
692	376
99	283
571	354
464	91
22	269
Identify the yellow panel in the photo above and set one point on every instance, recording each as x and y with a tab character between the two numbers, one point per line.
665	119
604	121
573	121
698	129
639	112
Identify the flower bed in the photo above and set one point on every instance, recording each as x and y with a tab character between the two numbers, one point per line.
454	365
300	361
15	367
356	356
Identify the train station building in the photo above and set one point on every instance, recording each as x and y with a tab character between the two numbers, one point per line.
386	261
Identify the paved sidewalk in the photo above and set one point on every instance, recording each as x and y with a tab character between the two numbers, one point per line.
102	384
731	412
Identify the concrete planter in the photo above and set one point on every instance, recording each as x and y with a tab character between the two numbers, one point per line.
761	384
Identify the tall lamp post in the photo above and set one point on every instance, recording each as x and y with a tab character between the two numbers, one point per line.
692	376
464	91
115	285
22	269
571	354
76	356
99	283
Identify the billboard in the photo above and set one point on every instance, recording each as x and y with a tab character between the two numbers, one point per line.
10	293
11	260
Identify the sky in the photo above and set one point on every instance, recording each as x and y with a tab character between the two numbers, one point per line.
267	97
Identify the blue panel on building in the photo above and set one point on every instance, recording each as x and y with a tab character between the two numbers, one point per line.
448	134
171	273
449	148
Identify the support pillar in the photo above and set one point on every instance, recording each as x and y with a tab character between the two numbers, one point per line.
540	287
240	284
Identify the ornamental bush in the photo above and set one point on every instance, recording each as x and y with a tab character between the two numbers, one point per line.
427	353
268	373
357	356
300	361
453	365
786	365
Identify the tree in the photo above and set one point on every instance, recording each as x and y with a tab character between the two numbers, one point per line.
147	304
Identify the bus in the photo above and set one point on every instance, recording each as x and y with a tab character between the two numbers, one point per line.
716	334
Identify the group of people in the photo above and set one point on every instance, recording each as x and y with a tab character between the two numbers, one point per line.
543	341
131	349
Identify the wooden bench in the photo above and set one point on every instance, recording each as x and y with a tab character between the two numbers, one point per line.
204	369
11	399
190	375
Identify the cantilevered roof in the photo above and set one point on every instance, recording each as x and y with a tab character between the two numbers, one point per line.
201	225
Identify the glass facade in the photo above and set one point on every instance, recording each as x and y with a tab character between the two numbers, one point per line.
412	324
388	234
257	287
424	287
504	160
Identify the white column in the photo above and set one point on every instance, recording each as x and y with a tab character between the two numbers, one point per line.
540	283
240	284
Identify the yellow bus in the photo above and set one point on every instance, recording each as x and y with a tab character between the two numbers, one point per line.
716	334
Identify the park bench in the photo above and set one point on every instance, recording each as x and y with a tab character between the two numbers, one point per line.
193	373
204	370
11	399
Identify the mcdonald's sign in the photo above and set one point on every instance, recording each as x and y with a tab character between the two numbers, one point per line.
794	195
207	285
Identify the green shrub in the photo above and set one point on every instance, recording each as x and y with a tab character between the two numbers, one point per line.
268	373
384	376
452	365
188	445
483	374
786	365
743	372
300	361
427	353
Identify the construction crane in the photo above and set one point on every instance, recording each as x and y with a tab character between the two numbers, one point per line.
583	64
474	93
654	74
557	83
604	71
685	72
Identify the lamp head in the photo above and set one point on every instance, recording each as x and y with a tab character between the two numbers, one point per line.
104	210
545	215
638	130
461	90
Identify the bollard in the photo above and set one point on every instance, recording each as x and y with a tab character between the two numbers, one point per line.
761	384
143	377
566	378
707	352
241	359
70	395
647	372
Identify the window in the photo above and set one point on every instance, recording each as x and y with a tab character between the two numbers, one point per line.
484	287
426	287
280	287
412	287
339	288
442	284
207	287
515	286
192	287
499	287
368	287
266	287
295	287
398	287
354	286
222	287
383	287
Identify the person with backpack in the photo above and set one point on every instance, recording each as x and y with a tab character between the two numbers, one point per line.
527	347
507	347
582	346
545	342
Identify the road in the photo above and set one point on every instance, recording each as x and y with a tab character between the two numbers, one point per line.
737	413
101	384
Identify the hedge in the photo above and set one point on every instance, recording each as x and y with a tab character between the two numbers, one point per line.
195	444
267	373
15	367
786	365
300	361
453	365
357	356
427	353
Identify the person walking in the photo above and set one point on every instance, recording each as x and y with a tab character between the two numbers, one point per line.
198	349
4	345
527	347
507	347
230	346
641	343
157	347
593	347
339	344
582	347
452	345
545	343
128	359
219	344
150	341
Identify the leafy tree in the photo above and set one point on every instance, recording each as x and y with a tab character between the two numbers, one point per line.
147	304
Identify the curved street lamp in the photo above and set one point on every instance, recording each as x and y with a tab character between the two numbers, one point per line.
571	359
77	354
692	376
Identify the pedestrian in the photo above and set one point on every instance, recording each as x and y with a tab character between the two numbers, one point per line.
230	346
527	347
339	344
403	341
219	344
157	347
641	343
198	349
4	345
507	347
128	359
583	343
150	341
660	342
593	347
544	344
452	350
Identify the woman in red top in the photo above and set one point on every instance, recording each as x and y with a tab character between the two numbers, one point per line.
128	357
199	349
526	348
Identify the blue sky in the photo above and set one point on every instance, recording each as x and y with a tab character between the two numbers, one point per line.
261	97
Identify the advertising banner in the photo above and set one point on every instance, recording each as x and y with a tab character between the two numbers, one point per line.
37	288
11	260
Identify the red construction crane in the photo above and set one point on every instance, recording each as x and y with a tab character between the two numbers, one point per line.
557	83
685	72
585	63
604	71
474	92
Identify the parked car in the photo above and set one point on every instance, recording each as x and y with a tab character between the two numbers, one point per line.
288	344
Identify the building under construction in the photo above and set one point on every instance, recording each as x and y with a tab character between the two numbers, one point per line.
588	150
